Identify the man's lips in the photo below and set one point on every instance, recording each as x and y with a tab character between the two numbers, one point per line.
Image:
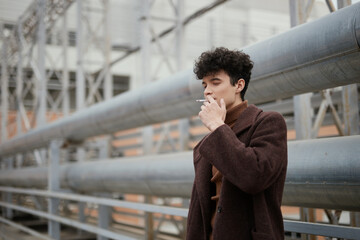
212	97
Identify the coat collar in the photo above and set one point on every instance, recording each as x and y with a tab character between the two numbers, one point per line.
246	118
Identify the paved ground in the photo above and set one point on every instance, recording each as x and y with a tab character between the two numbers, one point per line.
10	233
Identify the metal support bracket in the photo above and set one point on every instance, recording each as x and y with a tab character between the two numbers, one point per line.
54	185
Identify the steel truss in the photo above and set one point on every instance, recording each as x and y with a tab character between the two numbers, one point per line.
169	58
25	69
93	52
92	34
42	76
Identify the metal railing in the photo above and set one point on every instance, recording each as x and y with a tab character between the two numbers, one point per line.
100	201
289	225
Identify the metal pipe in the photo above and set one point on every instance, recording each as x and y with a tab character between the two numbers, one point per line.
322	173
4	91
285	65
293	61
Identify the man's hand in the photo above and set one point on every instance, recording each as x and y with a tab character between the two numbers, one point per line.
211	114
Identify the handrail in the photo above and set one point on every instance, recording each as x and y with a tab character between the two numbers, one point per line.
175	211
289	225
69	222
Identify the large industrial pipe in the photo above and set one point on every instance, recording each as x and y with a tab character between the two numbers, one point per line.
322	173
314	56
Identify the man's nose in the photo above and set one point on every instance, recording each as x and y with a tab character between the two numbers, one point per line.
207	91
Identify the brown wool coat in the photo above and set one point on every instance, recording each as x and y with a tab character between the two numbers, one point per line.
252	158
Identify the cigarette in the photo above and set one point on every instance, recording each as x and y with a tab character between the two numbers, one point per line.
201	100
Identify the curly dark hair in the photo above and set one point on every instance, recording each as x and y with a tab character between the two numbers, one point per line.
235	63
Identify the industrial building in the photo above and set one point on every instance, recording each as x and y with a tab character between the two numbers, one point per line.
99	118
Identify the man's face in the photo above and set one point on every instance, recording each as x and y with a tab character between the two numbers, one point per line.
218	86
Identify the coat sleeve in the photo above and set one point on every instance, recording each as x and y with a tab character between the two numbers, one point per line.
255	167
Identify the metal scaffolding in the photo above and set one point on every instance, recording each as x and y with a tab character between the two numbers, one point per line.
36	87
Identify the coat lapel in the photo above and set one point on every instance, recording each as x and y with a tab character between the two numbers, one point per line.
246	119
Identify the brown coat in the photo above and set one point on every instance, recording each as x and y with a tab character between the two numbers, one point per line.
252	158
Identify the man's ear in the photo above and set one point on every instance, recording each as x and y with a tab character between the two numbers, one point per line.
240	85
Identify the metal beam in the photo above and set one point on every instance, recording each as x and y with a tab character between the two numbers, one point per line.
186	21
41	81
19	82
80	78
184	124
8	197
330	5
65	72
302	106
108	82
54	185
322	173
52	12
4	89
285	65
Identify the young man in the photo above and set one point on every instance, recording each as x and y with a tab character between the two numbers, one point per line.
240	166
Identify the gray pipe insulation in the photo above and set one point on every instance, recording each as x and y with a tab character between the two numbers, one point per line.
322	173
310	57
